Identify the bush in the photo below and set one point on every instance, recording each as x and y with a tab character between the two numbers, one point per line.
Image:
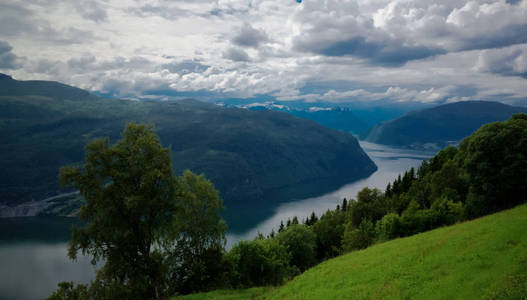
388	227
328	231
301	244
495	159
358	238
258	262
447	212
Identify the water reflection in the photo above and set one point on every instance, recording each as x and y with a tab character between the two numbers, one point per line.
32	270
390	162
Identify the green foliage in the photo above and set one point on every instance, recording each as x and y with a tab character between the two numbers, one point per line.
199	235
358	238
70	291
328	231
301	244
141	220
258	262
448	212
388	227
481	259
370	205
495	160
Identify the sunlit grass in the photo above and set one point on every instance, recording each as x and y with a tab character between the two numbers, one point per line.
485	258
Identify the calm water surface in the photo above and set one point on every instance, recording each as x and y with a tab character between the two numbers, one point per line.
390	162
33	251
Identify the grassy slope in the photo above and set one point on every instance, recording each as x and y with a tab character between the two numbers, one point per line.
484	258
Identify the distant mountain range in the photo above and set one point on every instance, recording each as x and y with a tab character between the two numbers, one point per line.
354	120
255	158
439	126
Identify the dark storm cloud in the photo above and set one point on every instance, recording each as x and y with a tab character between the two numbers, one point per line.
248	36
381	53
7	59
236	54
511	35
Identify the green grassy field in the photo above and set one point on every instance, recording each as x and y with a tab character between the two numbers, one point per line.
482	259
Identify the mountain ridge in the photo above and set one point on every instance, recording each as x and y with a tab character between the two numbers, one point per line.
439	126
255	158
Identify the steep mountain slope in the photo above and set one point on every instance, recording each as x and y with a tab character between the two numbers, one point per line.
441	125
481	259
253	158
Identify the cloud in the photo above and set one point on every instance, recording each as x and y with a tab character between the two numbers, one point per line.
393	33
185	67
392	93
249	37
331	50
236	54
14	20
18	20
509	62
386	52
91	10
8	60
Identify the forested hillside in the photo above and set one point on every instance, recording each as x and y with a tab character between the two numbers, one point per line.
484	258
253	158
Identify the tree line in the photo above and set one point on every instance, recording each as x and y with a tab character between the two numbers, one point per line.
160	235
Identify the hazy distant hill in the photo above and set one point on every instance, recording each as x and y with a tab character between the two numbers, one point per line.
349	119
252	157
441	125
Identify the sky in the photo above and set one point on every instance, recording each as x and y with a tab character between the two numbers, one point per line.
401	51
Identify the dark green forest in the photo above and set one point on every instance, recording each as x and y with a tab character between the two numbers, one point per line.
485	174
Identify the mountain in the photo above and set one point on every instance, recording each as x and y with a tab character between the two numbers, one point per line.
336	118
481	259
255	158
52	89
355	120
439	126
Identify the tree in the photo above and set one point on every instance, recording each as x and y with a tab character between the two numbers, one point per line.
300	242
329	230
495	159
258	262
370	205
199	235
134	213
282	227
358	238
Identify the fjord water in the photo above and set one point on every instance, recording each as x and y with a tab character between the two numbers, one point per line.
390	162
33	251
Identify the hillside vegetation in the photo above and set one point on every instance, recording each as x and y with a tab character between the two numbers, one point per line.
439	126
485	175
253	158
482	259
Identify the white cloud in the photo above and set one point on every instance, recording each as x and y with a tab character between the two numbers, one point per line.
399	50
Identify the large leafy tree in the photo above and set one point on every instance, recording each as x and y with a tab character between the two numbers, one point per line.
495	159
136	212
301	244
197	237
